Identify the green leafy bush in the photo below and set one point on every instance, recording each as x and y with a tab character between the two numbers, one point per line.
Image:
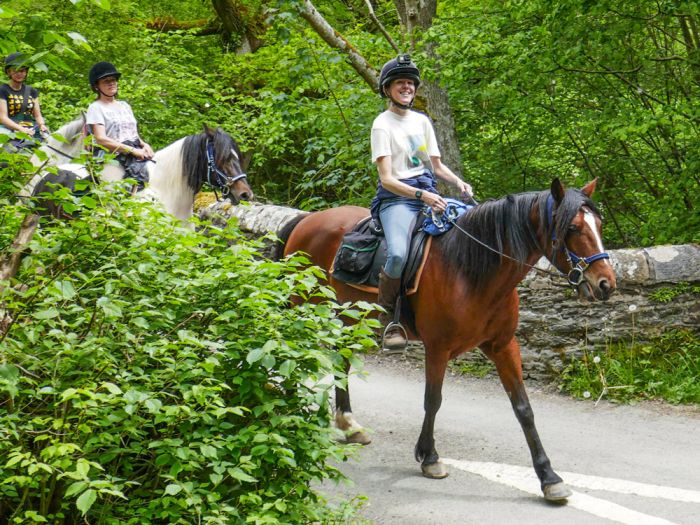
152	374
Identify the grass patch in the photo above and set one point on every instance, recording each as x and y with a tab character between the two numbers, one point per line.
666	368
473	363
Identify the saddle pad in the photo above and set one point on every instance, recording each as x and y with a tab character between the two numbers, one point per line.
369	280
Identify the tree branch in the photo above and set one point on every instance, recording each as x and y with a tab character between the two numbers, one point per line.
337	41
381	27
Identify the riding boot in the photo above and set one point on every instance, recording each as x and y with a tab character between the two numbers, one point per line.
393	334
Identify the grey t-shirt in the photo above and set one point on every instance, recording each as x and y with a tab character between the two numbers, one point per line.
116	117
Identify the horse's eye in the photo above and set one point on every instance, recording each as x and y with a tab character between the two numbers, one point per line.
572	229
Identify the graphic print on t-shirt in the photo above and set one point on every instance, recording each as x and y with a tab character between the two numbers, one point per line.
419	151
15	99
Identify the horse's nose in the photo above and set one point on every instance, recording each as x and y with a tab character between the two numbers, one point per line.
245	196
605	289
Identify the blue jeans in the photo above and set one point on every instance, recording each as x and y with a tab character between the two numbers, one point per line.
398	218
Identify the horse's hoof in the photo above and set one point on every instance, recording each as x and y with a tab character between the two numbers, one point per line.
556	492
436	470
360	437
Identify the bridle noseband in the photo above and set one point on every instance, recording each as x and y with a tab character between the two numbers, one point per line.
578	264
220	179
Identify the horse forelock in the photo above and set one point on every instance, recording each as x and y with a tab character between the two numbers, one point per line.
566	210
224	145
504	225
194	160
194	155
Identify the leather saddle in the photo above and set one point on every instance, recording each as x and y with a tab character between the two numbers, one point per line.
362	253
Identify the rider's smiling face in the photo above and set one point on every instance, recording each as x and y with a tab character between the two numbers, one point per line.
402	90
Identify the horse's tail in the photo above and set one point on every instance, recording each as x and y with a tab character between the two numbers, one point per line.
283	236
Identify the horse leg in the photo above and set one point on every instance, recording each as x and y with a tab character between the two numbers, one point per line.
425	452
509	366
344	420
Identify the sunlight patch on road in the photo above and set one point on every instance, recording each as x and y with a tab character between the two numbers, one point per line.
524	478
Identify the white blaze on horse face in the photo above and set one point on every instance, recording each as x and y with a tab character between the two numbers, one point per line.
589	219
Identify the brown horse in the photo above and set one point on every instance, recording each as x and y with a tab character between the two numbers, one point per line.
467	294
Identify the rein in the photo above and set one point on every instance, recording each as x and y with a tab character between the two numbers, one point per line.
578	264
59	152
494	250
221	180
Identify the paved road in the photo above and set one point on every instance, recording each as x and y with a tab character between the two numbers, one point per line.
635	464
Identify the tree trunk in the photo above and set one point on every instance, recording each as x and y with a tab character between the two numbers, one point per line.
237	19
418	15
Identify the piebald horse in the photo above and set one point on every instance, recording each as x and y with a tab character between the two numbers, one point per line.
176	174
467	296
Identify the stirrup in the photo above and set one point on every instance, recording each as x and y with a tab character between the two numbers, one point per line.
394	349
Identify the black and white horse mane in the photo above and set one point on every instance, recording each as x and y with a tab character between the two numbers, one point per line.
194	155
504	225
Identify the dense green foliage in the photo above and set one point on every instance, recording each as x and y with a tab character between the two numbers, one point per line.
666	368
538	89
152	374
580	90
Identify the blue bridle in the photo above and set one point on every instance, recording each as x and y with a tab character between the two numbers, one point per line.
221	180
578	264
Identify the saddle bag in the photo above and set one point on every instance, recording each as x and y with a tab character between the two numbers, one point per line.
356	252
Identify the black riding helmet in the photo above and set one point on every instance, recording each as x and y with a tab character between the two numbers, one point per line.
399	67
16	60
102	70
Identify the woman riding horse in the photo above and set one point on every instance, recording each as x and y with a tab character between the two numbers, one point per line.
405	150
19	103
114	126
467	295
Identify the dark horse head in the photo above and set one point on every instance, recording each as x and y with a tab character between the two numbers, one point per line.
214	157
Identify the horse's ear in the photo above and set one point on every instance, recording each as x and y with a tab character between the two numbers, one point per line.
557	190
208	130
589	188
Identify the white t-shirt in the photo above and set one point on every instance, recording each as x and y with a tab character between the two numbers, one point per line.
409	139
116	117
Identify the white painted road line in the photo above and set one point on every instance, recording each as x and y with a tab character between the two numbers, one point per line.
524	478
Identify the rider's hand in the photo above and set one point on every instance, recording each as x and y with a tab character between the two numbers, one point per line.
465	189
436	203
142	153
139	153
147	150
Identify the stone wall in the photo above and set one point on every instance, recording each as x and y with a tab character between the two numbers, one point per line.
554	325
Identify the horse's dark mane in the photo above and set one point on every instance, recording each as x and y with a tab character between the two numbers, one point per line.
505	226
194	155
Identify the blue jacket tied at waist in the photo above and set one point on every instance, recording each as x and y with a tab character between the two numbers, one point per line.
425	181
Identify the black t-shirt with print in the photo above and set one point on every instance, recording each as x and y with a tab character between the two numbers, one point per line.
16	100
